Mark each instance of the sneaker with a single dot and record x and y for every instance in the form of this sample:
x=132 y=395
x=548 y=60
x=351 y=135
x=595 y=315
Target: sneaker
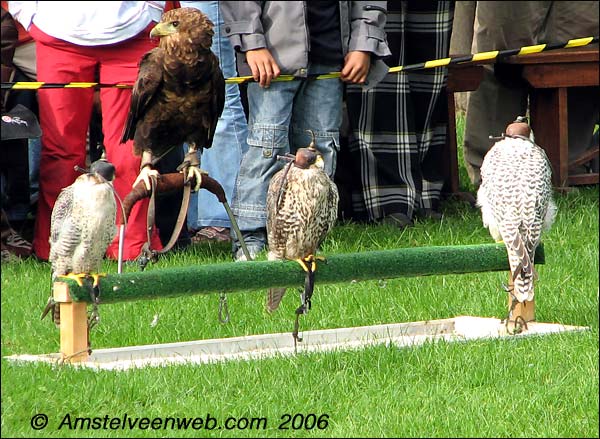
x=211 y=233
x=255 y=241
x=14 y=244
x=429 y=214
x=253 y=250
x=6 y=255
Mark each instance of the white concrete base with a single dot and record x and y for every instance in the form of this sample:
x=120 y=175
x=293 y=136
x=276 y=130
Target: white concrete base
x=269 y=345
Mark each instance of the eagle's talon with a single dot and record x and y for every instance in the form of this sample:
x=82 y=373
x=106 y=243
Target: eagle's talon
x=146 y=173
x=197 y=172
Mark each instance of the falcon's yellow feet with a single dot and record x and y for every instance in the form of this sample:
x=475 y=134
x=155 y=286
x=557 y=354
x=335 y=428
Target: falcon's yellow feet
x=76 y=277
x=309 y=265
x=96 y=277
x=310 y=259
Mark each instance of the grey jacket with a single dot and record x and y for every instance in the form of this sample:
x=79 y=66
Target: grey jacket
x=281 y=27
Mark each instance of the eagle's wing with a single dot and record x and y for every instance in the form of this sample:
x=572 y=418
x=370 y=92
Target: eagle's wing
x=218 y=102
x=150 y=79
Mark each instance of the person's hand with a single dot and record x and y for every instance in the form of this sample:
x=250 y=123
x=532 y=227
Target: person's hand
x=263 y=66
x=356 y=67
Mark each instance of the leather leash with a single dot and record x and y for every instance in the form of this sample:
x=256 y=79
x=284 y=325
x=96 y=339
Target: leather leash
x=147 y=253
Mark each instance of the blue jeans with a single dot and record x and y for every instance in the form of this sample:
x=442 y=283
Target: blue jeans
x=279 y=117
x=222 y=160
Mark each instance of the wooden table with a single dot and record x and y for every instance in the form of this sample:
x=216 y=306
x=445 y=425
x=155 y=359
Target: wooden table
x=550 y=74
x=465 y=77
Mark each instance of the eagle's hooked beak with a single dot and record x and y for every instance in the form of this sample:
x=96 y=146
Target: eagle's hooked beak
x=162 y=30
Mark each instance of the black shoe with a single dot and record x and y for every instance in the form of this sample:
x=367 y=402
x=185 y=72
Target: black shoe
x=429 y=213
x=399 y=220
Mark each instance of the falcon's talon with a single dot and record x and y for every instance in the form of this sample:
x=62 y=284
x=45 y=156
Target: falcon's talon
x=96 y=277
x=312 y=259
x=77 y=277
x=302 y=263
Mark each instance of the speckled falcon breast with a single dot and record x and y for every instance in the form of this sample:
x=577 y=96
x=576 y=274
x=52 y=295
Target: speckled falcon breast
x=83 y=225
x=302 y=207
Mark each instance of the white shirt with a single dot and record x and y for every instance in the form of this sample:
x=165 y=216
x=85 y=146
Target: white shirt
x=88 y=23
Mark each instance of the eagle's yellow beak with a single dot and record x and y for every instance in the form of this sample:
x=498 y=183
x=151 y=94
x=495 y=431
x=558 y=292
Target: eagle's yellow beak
x=162 y=30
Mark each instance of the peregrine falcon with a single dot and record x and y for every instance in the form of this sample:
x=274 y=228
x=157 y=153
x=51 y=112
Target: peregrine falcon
x=83 y=224
x=302 y=206
x=179 y=93
x=516 y=201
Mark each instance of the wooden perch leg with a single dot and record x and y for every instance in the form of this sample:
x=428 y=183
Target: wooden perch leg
x=73 y=325
x=522 y=313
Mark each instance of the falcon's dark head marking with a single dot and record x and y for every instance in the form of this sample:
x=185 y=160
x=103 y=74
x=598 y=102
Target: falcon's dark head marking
x=103 y=168
x=184 y=28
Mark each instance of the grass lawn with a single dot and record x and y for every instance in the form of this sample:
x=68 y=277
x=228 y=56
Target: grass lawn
x=543 y=386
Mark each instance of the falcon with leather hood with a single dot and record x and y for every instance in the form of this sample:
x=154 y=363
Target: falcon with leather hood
x=302 y=207
x=516 y=201
x=83 y=225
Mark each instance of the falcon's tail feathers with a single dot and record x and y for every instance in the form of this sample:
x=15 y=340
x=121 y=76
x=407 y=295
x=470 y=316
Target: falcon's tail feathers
x=274 y=297
x=522 y=271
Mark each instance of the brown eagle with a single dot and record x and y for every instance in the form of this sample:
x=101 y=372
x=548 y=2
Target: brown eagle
x=179 y=93
x=302 y=206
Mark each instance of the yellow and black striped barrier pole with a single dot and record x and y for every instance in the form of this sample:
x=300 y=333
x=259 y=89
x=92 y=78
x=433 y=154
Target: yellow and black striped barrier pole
x=490 y=56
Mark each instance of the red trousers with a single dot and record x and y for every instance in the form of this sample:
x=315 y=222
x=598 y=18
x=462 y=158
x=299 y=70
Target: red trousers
x=65 y=118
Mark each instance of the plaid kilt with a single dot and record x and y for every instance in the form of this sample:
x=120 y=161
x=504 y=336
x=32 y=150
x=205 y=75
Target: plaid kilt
x=398 y=128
